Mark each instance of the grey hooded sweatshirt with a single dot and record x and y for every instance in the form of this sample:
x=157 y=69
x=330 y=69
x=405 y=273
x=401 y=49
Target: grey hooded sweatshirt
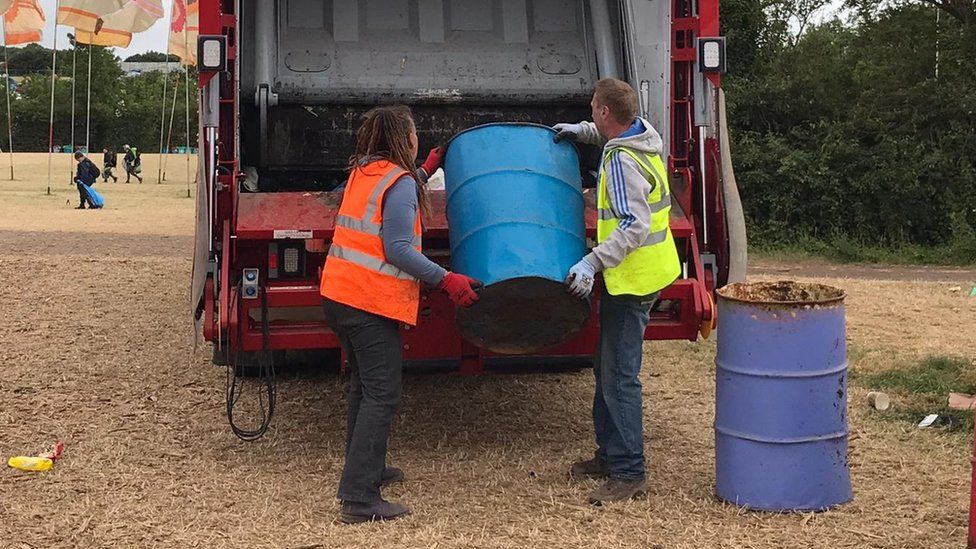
x=627 y=188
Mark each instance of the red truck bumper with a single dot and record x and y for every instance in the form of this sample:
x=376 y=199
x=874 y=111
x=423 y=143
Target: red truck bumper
x=294 y=307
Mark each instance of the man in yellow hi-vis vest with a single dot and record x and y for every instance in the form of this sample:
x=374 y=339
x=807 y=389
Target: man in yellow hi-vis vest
x=636 y=253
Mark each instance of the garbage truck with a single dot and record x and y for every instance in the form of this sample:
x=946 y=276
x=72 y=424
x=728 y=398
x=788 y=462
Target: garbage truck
x=282 y=87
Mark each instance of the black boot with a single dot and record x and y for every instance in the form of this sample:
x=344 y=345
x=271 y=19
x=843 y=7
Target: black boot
x=354 y=513
x=391 y=475
x=617 y=489
x=590 y=468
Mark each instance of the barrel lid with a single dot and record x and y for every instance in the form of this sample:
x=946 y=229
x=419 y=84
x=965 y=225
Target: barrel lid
x=782 y=292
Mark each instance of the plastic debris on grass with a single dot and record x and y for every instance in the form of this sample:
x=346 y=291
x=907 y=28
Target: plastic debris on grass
x=43 y=462
x=879 y=401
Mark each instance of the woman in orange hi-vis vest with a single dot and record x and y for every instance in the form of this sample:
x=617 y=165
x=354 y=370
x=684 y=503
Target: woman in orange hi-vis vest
x=370 y=285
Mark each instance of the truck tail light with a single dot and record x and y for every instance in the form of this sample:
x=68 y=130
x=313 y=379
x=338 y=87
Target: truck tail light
x=286 y=259
x=291 y=259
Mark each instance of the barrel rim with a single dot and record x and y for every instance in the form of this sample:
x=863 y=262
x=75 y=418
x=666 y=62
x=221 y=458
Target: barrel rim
x=723 y=293
x=526 y=124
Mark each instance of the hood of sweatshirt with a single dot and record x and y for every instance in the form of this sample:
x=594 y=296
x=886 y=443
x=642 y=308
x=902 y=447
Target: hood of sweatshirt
x=648 y=142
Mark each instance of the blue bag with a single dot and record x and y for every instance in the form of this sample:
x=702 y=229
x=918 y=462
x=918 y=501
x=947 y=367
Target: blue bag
x=96 y=199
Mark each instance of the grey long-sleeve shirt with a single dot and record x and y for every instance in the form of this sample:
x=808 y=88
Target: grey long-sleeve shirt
x=399 y=212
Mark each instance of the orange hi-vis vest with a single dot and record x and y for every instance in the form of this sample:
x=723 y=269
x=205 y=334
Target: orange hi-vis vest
x=356 y=272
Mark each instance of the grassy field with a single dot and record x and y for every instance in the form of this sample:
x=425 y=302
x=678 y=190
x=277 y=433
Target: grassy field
x=98 y=352
x=149 y=208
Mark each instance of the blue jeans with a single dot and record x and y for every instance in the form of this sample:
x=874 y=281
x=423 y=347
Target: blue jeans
x=617 y=404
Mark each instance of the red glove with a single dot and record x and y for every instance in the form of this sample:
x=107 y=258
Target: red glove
x=435 y=159
x=460 y=288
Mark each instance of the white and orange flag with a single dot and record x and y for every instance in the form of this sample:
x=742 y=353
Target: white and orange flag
x=83 y=14
x=23 y=22
x=108 y=22
x=135 y=16
x=184 y=30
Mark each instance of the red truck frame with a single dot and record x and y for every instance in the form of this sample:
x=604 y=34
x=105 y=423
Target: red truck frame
x=244 y=227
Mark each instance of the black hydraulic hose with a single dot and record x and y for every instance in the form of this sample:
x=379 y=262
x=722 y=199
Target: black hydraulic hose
x=235 y=383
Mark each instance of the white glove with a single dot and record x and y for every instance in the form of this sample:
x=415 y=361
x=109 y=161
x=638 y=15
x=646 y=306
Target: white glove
x=567 y=131
x=580 y=279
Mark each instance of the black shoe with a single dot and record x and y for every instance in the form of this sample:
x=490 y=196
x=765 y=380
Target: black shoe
x=617 y=489
x=354 y=513
x=590 y=468
x=391 y=475
x=82 y=207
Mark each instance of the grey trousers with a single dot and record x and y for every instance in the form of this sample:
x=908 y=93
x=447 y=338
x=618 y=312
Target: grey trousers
x=374 y=349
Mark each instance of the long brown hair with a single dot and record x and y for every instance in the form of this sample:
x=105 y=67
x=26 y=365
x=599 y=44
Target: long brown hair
x=385 y=134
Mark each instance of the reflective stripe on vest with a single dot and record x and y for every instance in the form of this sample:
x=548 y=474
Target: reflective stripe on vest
x=655 y=264
x=356 y=272
x=367 y=227
x=606 y=214
x=368 y=261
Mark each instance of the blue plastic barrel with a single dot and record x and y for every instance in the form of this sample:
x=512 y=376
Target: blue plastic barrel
x=781 y=397
x=515 y=216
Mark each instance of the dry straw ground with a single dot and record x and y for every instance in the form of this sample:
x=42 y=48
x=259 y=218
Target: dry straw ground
x=96 y=352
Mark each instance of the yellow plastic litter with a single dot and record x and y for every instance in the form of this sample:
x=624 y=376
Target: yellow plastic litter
x=25 y=463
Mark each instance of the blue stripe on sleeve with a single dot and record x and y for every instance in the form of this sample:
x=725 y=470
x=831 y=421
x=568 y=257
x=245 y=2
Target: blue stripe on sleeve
x=619 y=193
x=626 y=218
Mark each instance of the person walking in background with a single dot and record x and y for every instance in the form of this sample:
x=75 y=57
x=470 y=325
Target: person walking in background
x=85 y=177
x=109 y=159
x=133 y=164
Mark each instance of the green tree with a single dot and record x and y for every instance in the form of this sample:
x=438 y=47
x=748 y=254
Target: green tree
x=850 y=130
x=31 y=59
x=123 y=109
x=140 y=105
x=153 y=57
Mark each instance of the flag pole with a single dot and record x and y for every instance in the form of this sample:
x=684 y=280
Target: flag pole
x=186 y=74
x=88 y=123
x=50 y=125
x=172 y=117
x=74 y=57
x=162 y=121
x=6 y=86
x=162 y=114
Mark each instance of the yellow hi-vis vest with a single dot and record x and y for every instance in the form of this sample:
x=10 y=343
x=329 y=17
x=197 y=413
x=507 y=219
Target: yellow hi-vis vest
x=655 y=265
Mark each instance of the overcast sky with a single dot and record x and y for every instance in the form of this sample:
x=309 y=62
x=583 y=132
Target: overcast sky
x=829 y=11
x=153 y=39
